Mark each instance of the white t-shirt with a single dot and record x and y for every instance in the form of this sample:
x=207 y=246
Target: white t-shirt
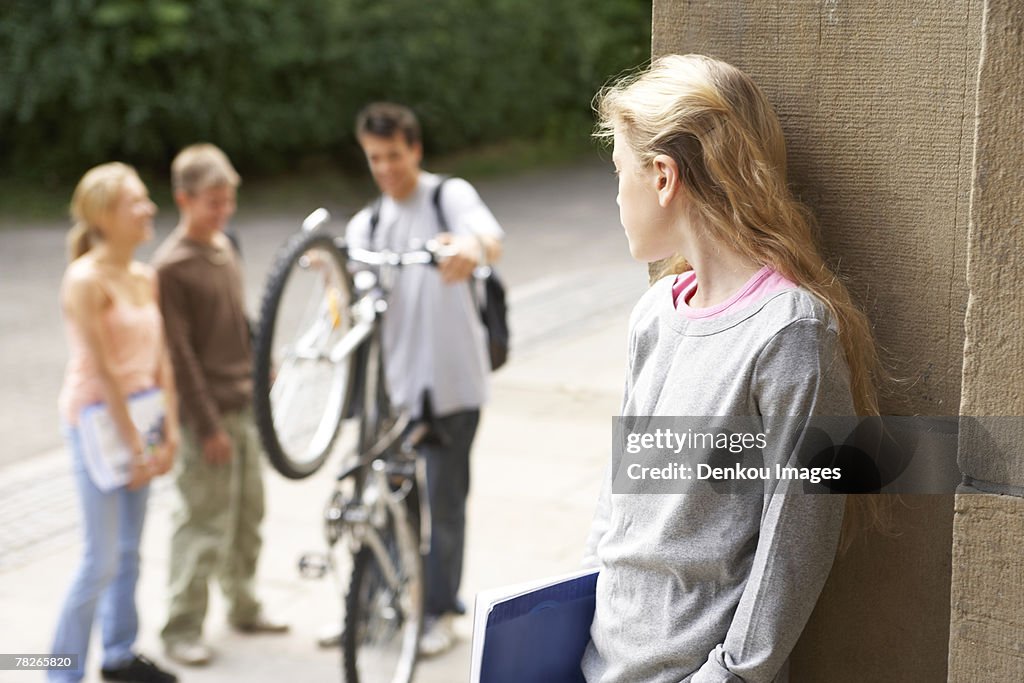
x=433 y=338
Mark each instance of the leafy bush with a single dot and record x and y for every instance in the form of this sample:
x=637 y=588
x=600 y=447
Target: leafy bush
x=84 y=81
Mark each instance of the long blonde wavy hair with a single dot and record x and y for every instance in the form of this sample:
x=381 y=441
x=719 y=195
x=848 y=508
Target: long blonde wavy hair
x=725 y=137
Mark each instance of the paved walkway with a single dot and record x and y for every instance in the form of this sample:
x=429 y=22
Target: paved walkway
x=539 y=457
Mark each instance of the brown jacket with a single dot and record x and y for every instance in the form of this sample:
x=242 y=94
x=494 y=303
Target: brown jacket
x=204 y=314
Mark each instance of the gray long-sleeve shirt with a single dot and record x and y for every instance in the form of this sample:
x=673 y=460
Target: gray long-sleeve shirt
x=705 y=587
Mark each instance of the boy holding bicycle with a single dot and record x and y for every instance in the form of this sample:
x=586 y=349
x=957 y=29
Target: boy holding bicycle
x=435 y=345
x=216 y=530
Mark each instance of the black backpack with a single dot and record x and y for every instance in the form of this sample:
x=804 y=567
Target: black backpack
x=493 y=309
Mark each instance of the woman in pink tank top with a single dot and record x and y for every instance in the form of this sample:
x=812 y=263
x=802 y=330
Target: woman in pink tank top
x=115 y=334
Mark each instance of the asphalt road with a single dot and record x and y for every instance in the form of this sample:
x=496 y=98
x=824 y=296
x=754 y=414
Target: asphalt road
x=565 y=259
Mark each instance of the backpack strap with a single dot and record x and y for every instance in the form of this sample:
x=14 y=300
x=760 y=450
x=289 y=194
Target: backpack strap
x=442 y=222
x=374 y=217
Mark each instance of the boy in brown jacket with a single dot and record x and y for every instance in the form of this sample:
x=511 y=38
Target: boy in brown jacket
x=216 y=530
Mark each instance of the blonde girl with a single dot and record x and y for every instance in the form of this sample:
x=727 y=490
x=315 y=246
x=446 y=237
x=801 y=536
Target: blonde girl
x=115 y=334
x=749 y=320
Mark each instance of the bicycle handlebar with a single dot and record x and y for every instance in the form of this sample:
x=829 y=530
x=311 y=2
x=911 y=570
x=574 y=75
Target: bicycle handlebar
x=431 y=253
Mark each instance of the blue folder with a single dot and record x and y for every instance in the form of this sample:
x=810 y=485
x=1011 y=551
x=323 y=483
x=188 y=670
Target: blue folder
x=539 y=636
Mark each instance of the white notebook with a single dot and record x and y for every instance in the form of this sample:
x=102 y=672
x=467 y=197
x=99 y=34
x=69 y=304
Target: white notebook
x=107 y=458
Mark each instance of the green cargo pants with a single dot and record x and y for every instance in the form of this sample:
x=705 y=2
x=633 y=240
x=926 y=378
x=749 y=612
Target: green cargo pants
x=216 y=530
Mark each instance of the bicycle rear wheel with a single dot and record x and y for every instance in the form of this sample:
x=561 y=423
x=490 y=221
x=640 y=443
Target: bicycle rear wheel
x=384 y=608
x=302 y=387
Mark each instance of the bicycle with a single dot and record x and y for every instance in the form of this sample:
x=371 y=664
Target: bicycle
x=328 y=369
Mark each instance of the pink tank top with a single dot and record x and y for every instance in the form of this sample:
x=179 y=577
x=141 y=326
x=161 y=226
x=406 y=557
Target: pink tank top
x=136 y=338
x=764 y=282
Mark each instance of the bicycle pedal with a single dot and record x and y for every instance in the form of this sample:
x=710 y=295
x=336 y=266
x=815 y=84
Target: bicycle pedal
x=313 y=566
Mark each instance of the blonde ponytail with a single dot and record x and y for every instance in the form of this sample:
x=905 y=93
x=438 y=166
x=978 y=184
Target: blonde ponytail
x=79 y=241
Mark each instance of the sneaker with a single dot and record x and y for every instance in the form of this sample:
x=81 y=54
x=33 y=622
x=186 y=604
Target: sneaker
x=330 y=636
x=190 y=652
x=438 y=636
x=261 y=623
x=139 y=670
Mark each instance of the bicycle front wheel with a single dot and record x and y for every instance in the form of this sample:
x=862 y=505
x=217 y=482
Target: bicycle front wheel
x=302 y=385
x=384 y=608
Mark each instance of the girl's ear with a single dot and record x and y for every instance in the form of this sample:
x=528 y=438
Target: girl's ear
x=667 y=181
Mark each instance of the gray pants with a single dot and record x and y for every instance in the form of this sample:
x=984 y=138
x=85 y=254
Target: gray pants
x=216 y=530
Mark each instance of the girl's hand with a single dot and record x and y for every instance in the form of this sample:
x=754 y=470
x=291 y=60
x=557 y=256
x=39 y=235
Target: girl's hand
x=140 y=474
x=163 y=455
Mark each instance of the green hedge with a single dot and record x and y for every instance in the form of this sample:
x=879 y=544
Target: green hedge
x=275 y=82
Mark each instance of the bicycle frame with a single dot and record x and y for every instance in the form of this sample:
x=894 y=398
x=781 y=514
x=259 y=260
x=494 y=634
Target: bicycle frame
x=362 y=519
x=405 y=470
x=385 y=491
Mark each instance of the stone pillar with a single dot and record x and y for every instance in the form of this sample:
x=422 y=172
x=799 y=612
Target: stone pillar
x=987 y=616
x=877 y=100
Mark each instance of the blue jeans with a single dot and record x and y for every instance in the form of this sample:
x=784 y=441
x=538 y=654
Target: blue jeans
x=448 y=486
x=108 y=572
